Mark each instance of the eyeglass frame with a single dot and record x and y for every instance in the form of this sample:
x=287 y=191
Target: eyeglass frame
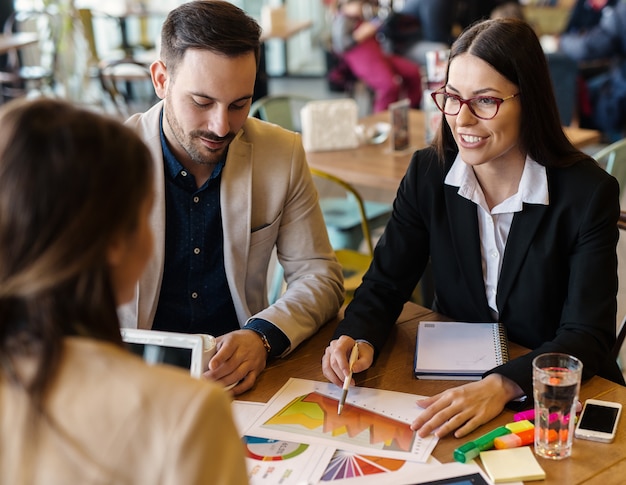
x=468 y=102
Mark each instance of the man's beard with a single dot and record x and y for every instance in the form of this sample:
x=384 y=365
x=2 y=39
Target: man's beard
x=190 y=143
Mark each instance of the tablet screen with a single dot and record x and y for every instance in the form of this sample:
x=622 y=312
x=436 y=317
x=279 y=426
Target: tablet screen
x=158 y=354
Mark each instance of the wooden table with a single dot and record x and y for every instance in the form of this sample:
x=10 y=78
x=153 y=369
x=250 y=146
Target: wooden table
x=591 y=463
x=286 y=30
x=16 y=41
x=378 y=166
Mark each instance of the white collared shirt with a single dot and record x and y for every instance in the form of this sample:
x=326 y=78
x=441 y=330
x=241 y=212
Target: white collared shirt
x=494 y=225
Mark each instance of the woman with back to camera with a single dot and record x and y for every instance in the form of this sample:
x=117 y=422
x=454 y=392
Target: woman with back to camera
x=519 y=225
x=76 y=407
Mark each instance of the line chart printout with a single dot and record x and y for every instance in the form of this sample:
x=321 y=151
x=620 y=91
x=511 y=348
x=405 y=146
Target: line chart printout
x=373 y=421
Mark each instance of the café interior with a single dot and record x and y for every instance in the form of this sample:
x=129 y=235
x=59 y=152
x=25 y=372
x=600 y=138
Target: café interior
x=100 y=59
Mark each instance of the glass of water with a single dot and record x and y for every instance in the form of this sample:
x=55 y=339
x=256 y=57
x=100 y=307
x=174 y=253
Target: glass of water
x=556 y=382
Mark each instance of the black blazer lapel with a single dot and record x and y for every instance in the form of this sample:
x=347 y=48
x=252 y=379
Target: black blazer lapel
x=523 y=229
x=466 y=242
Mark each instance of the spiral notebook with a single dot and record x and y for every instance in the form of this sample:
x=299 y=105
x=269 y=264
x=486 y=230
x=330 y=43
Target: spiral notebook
x=459 y=350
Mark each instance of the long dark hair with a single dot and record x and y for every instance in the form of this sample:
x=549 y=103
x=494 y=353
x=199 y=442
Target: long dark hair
x=70 y=180
x=214 y=25
x=512 y=48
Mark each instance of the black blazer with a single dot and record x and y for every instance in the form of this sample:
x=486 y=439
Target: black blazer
x=558 y=282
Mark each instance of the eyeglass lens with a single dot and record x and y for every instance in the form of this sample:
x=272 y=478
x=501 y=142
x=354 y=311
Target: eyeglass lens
x=484 y=107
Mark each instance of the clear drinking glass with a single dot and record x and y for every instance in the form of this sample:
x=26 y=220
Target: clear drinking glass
x=556 y=382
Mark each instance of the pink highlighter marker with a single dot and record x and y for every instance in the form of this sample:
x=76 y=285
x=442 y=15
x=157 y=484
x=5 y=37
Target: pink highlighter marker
x=530 y=413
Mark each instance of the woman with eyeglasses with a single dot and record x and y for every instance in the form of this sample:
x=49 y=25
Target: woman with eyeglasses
x=520 y=228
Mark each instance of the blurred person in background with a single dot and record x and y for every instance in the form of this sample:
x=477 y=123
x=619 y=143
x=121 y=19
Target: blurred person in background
x=354 y=30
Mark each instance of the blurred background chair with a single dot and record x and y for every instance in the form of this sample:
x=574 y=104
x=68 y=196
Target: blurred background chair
x=613 y=159
x=107 y=38
x=31 y=69
x=354 y=263
x=280 y=109
x=344 y=211
x=128 y=85
x=94 y=21
x=619 y=353
x=341 y=217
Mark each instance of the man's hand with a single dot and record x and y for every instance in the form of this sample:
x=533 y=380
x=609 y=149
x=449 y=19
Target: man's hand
x=240 y=358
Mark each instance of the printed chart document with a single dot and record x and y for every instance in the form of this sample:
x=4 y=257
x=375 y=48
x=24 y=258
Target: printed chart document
x=273 y=462
x=373 y=421
x=295 y=461
x=459 y=350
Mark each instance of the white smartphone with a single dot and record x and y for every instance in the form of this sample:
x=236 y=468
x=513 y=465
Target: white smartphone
x=598 y=420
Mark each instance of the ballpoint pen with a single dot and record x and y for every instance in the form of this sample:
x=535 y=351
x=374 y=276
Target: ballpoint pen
x=354 y=355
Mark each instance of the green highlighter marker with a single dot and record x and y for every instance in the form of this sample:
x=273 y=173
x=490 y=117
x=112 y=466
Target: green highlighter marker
x=472 y=449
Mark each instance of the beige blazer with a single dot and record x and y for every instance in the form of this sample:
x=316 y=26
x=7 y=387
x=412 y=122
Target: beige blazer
x=268 y=200
x=112 y=420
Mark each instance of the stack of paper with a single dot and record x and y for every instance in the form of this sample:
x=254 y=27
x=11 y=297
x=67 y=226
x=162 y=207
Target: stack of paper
x=298 y=437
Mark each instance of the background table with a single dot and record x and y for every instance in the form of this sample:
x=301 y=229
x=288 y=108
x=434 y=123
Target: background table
x=379 y=167
x=16 y=41
x=591 y=462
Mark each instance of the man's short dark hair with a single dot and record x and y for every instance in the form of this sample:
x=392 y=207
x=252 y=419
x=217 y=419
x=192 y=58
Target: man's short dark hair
x=214 y=25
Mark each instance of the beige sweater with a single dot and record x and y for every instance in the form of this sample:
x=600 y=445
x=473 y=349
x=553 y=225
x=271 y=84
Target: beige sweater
x=115 y=420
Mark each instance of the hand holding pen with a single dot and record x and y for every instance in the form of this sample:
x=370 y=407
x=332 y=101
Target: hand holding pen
x=354 y=355
x=335 y=364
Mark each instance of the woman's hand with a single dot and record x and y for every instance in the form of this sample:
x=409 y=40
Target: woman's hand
x=335 y=360
x=466 y=407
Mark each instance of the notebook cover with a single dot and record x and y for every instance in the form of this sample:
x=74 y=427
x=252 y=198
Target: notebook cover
x=458 y=350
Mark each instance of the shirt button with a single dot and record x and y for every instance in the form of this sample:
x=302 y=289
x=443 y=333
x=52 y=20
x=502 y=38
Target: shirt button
x=194 y=295
x=183 y=173
x=196 y=199
x=493 y=291
x=494 y=254
x=196 y=251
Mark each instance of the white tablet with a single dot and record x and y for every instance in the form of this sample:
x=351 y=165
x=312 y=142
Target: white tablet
x=190 y=351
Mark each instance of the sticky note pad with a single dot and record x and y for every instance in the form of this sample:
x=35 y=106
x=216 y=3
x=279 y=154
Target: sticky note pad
x=512 y=465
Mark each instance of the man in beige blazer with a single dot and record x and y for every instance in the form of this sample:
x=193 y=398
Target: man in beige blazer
x=229 y=189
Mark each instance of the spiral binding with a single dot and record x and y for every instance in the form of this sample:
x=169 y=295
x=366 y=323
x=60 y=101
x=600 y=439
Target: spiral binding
x=500 y=343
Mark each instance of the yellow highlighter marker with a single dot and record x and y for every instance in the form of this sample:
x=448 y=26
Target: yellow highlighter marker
x=354 y=355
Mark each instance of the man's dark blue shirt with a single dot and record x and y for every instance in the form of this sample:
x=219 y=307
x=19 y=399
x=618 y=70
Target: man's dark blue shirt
x=194 y=297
